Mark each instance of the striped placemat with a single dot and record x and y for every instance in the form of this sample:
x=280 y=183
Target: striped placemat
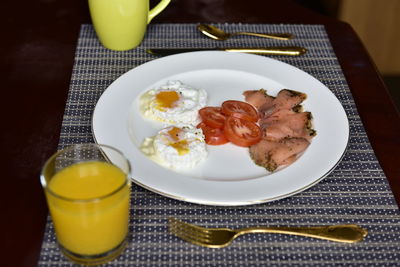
x=355 y=192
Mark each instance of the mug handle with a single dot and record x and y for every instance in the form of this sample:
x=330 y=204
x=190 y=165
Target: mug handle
x=157 y=9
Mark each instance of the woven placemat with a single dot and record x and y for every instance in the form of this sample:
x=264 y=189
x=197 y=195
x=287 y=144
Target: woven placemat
x=355 y=192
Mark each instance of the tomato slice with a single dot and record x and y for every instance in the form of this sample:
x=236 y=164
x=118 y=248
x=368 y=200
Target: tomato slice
x=240 y=110
x=213 y=136
x=242 y=132
x=212 y=116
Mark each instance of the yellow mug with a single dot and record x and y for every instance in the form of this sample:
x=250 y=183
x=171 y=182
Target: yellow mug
x=121 y=24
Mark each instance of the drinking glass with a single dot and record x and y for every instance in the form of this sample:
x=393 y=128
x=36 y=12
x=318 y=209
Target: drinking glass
x=87 y=188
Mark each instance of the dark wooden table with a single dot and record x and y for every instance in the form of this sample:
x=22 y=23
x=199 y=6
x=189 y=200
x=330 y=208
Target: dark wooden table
x=36 y=65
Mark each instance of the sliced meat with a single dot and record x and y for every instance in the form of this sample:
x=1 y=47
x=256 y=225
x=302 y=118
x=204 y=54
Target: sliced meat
x=287 y=131
x=291 y=125
x=260 y=154
x=289 y=160
x=258 y=98
x=271 y=154
x=285 y=100
x=267 y=109
x=279 y=131
x=287 y=148
x=288 y=99
x=275 y=117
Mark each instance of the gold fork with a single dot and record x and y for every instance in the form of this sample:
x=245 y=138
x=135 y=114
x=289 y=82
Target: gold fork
x=222 y=237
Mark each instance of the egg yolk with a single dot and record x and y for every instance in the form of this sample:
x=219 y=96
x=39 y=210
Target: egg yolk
x=166 y=99
x=174 y=133
x=181 y=146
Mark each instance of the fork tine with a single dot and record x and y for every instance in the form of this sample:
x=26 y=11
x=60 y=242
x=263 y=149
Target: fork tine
x=191 y=233
x=176 y=225
x=186 y=227
x=195 y=239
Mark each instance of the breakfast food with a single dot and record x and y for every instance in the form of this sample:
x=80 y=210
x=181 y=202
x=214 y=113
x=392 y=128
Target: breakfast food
x=235 y=122
x=287 y=130
x=273 y=128
x=173 y=103
x=176 y=147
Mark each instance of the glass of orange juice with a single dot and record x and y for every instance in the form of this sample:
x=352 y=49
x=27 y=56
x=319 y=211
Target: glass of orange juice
x=87 y=187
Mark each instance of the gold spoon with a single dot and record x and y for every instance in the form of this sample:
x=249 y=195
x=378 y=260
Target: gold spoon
x=218 y=34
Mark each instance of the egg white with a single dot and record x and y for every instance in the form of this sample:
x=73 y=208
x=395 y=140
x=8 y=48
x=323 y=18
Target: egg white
x=160 y=148
x=185 y=110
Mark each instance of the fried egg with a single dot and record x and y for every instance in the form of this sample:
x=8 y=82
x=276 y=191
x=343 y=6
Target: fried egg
x=178 y=148
x=173 y=103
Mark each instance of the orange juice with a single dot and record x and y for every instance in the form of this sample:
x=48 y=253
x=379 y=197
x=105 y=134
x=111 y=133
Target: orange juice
x=89 y=205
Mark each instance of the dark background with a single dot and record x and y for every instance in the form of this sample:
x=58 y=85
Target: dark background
x=330 y=8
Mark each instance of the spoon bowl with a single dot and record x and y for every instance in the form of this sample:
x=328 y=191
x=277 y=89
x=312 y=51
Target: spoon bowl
x=218 y=34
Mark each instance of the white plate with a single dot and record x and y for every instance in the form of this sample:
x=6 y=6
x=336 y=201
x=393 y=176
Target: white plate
x=228 y=177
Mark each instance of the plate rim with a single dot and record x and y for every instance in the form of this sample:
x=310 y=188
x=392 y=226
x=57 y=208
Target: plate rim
x=232 y=203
